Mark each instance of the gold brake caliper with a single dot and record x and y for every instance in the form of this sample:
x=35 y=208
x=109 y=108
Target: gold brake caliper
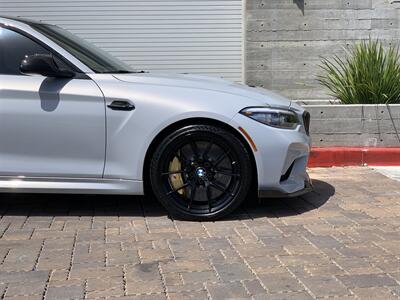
x=176 y=179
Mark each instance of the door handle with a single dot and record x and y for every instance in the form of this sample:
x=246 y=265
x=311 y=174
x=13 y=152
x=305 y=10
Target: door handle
x=121 y=105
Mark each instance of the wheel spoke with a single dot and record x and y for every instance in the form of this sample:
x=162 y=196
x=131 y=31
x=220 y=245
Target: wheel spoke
x=207 y=150
x=221 y=158
x=220 y=188
x=192 y=194
x=173 y=172
x=208 y=193
x=182 y=158
x=195 y=149
x=227 y=173
x=178 y=189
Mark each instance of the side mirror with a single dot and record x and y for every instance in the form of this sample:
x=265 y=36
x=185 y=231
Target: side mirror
x=44 y=65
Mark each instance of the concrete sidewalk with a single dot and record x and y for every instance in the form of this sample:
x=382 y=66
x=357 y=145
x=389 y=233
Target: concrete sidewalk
x=391 y=172
x=342 y=241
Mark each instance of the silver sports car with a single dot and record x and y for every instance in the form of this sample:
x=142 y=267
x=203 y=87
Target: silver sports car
x=73 y=119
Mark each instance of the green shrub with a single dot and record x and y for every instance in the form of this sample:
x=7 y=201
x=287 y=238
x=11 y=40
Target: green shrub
x=369 y=74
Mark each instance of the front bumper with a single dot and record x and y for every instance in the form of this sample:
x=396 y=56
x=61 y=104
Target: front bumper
x=308 y=187
x=281 y=158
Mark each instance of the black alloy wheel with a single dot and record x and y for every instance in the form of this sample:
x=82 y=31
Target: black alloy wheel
x=201 y=172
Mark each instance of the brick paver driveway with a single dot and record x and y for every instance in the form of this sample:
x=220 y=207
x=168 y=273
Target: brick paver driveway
x=342 y=241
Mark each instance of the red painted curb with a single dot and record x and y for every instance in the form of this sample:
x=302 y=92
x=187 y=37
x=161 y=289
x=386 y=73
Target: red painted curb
x=353 y=156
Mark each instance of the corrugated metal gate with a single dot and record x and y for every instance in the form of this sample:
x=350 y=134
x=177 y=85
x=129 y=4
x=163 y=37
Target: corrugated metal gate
x=184 y=36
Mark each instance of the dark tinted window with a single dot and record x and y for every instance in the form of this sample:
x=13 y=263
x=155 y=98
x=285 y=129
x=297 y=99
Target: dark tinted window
x=95 y=58
x=13 y=48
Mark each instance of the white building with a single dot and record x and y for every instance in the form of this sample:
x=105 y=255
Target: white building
x=184 y=36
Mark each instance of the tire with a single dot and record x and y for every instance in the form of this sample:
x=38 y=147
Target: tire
x=200 y=172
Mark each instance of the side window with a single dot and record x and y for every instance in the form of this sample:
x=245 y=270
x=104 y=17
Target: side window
x=13 y=48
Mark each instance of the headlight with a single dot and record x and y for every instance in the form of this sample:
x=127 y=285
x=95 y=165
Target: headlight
x=275 y=117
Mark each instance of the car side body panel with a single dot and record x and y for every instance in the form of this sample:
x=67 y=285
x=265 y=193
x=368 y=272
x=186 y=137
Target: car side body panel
x=51 y=127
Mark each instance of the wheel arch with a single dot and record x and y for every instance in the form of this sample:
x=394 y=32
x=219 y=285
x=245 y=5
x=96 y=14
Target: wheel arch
x=196 y=121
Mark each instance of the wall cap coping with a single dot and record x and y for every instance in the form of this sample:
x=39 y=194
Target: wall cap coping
x=351 y=105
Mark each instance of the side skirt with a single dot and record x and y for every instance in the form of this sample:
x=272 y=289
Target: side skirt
x=60 y=185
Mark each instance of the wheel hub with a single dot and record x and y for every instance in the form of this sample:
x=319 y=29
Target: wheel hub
x=201 y=172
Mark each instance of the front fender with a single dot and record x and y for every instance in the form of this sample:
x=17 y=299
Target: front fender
x=130 y=133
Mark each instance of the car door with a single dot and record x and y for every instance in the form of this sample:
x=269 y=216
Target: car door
x=49 y=127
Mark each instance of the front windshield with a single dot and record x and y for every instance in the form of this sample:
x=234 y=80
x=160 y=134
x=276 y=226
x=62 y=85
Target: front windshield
x=96 y=59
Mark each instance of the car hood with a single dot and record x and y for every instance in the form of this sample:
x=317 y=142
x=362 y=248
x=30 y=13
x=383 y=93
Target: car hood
x=265 y=97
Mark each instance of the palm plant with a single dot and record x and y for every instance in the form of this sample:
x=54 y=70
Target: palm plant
x=369 y=74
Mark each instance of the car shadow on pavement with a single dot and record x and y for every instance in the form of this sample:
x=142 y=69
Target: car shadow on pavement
x=286 y=207
x=138 y=206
